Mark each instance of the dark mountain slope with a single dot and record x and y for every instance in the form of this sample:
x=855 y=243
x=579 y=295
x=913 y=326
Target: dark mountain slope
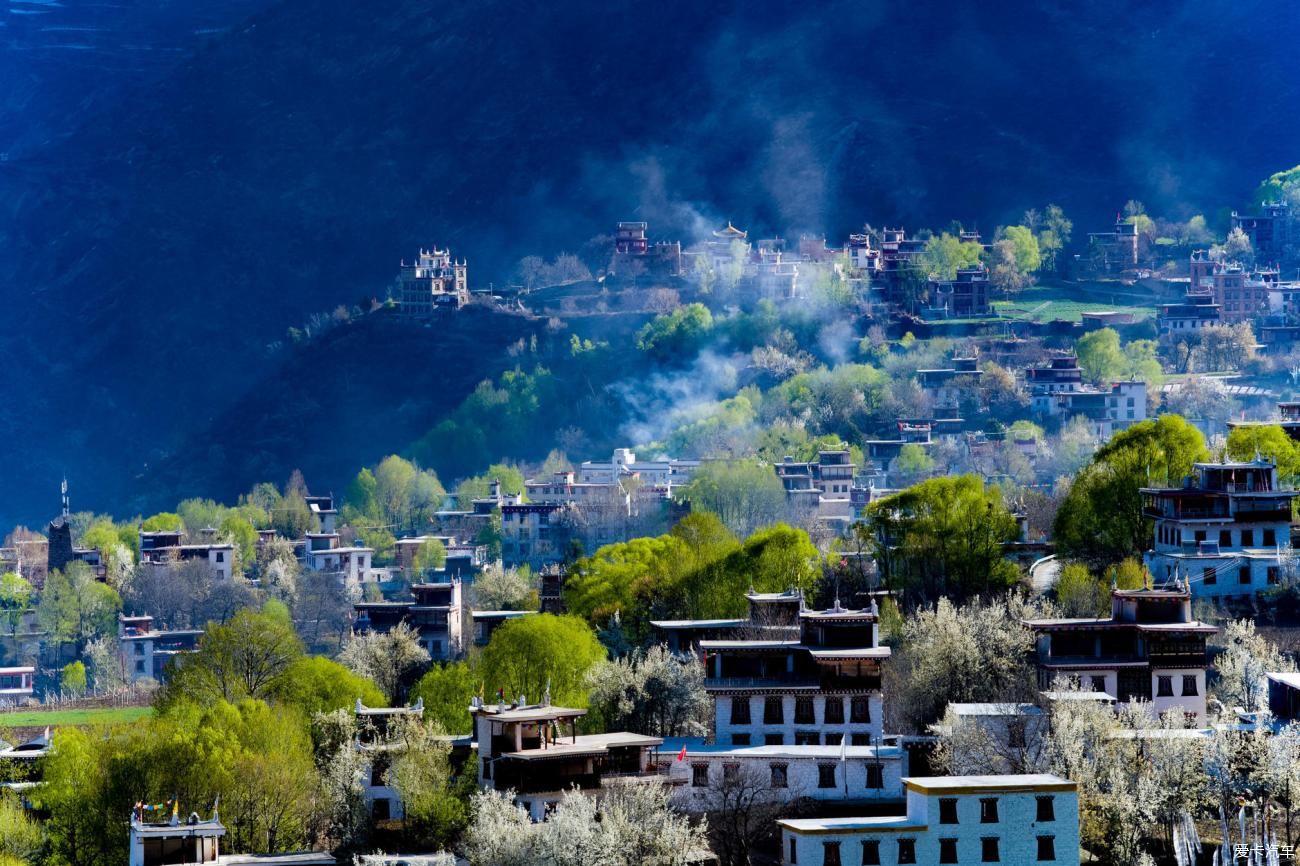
x=285 y=166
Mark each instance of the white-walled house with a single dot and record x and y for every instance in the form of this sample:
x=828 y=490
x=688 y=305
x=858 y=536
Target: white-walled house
x=950 y=819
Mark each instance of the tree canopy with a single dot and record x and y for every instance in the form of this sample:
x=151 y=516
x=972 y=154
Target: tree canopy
x=528 y=654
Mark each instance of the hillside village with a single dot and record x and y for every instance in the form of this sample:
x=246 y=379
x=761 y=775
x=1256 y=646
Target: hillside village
x=979 y=550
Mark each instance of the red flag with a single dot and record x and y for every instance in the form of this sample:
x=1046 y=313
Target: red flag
x=681 y=756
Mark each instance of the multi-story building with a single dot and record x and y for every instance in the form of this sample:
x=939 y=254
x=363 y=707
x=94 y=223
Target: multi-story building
x=635 y=254
x=536 y=533
x=945 y=386
x=657 y=476
x=823 y=487
x=434 y=280
x=172 y=839
x=378 y=744
x=323 y=552
x=164 y=547
x=1271 y=231
x=17 y=683
x=1149 y=648
x=1227 y=529
x=1121 y=405
x=147 y=653
x=535 y=751
x=1117 y=250
x=1240 y=295
x=436 y=615
x=1197 y=310
x=964 y=296
x=1061 y=374
x=950 y=819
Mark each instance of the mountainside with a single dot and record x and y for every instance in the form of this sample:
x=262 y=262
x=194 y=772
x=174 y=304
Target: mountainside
x=149 y=253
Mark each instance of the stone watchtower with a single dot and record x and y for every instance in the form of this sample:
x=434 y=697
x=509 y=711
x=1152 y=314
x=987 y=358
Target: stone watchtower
x=60 y=533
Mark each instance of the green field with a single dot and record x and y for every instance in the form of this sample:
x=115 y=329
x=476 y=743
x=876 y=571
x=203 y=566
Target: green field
x=1043 y=304
x=56 y=717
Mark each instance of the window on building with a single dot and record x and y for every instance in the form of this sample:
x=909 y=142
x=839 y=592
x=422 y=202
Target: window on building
x=1046 y=848
x=1273 y=575
x=834 y=739
x=1099 y=683
x=740 y=711
x=947 y=811
x=1225 y=538
x=1270 y=537
x=830 y=854
x=947 y=850
x=1243 y=574
x=860 y=710
x=875 y=776
x=1046 y=809
x=834 y=711
x=825 y=775
x=1248 y=538
x=859 y=739
x=774 y=739
x=221 y=557
x=871 y=852
x=989 y=850
x=1164 y=687
x=778 y=775
x=740 y=739
x=773 y=712
x=906 y=851
x=699 y=775
x=1208 y=576
x=1016 y=733
x=1198 y=536
x=807 y=738
x=989 y=810
x=139 y=649
x=139 y=666
x=1189 y=684
x=730 y=773
x=803 y=711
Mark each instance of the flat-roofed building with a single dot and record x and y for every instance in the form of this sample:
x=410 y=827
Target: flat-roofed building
x=1016 y=819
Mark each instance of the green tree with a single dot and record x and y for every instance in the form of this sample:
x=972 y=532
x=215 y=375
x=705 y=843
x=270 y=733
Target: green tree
x=73 y=678
x=943 y=536
x=421 y=773
x=361 y=499
x=628 y=578
x=1100 y=521
x=913 y=460
x=1025 y=248
x=944 y=254
x=431 y=556
x=164 y=521
x=315 y=684
x=745 y=494
x=1100 y=355
x=526 y=655
x=677 y=335
x=480 y=486
x=15 y=598
x=1079 y=593
x=1269 y=441
x=239 y=531
x=75 y=608
x=447 y=690
x=248 y=657
x=292 y=517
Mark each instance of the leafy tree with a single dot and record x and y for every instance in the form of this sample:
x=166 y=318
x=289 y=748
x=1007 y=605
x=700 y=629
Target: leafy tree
x=362 y=497
x=105 y=665
x=15 y=597
x=390 y=659
x=1079 y=593
x=944 y=254
x=912 y=460
x=447 y=690
x=652 y=692
x=75 y=608
x=249 y=657
x=21 y=838
x=430 y=557
x=1100 y=355
x=316 y=684
x=1269 y=441
x=292 y=517
x=237 y=529
x=1100 y=522
x=677 y=335
x=528 y=654
x=627 y=577
x=199 y=514
x=165 y=521
x=943 y=536
x=498 y=588
x=744 y=494
x=480 y=486
x=1247 y=656
x=977 y=652
x=73 y=678
x=421 y=773
x=1024 y=248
